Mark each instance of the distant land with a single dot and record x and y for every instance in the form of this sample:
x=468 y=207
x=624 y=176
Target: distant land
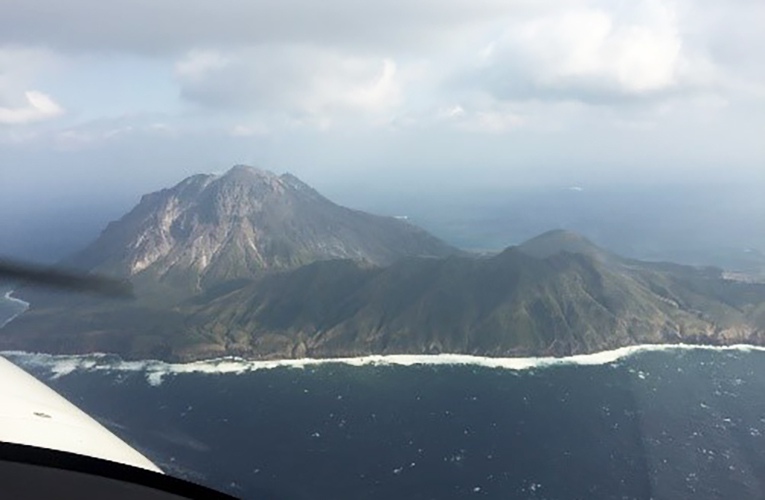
x=211 y=229
x=262 y=266
x=689 y=223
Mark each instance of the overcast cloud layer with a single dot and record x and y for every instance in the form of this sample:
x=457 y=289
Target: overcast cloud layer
x=130 y=95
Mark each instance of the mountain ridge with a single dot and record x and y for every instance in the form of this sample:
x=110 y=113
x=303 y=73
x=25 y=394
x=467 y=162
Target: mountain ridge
x=511 y=304
x=556 y=241
x=295 y=275
x=209 y=229
x=508 y=305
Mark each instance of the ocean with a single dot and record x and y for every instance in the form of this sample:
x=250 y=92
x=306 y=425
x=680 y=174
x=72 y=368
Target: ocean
x=644 y=423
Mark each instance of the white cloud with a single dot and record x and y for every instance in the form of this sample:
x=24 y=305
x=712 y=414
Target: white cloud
x=497 y=119
x=38 y=107
x=296 y=81
x=590 y=46
x=301 y=63
x=595 y=52
x=375 y=94
x=474 y=81
x=197 y=64
x=20 y=72
x=450 y=112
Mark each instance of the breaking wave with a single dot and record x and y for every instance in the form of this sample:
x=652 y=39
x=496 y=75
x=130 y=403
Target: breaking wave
x=18 y=304
x=156 y=371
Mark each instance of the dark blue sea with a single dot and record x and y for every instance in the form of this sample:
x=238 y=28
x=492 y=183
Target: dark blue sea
x=655 y=424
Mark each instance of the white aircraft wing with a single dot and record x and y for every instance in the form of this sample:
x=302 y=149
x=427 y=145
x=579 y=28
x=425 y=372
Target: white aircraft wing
x=33 y=414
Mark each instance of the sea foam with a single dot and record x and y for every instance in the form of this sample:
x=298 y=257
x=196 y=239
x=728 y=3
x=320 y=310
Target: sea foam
x=156 y=371
x=23 y=306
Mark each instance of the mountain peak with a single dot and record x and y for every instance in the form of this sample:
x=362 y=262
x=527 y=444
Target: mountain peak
x=243 y=186
x=559 y=241
x=256 y=183
x=244 y=171
x=210 y=229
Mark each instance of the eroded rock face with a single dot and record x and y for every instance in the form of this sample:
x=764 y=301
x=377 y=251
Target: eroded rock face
x=210 y=229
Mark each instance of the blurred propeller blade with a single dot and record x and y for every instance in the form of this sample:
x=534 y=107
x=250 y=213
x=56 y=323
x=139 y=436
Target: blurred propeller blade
x=61 y=278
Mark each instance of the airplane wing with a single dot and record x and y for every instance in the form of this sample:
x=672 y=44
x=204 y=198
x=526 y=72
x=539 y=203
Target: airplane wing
x=51 y=449
x=33 y=414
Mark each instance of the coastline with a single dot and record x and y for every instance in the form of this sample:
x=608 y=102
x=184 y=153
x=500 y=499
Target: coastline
x=63 y=364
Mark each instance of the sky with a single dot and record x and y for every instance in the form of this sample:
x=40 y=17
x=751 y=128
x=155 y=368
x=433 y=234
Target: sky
x=101 y=101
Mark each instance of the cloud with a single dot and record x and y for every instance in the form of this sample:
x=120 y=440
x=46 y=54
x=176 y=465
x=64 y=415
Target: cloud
x=298 y=81
x=435 y=83
x=198 y=64
x=498 y=119
x=454 y=111
x=306 y=62
x=173 y=26
x=38 y=107
x=21 y=69
x=90 y=135
x=592 y=54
